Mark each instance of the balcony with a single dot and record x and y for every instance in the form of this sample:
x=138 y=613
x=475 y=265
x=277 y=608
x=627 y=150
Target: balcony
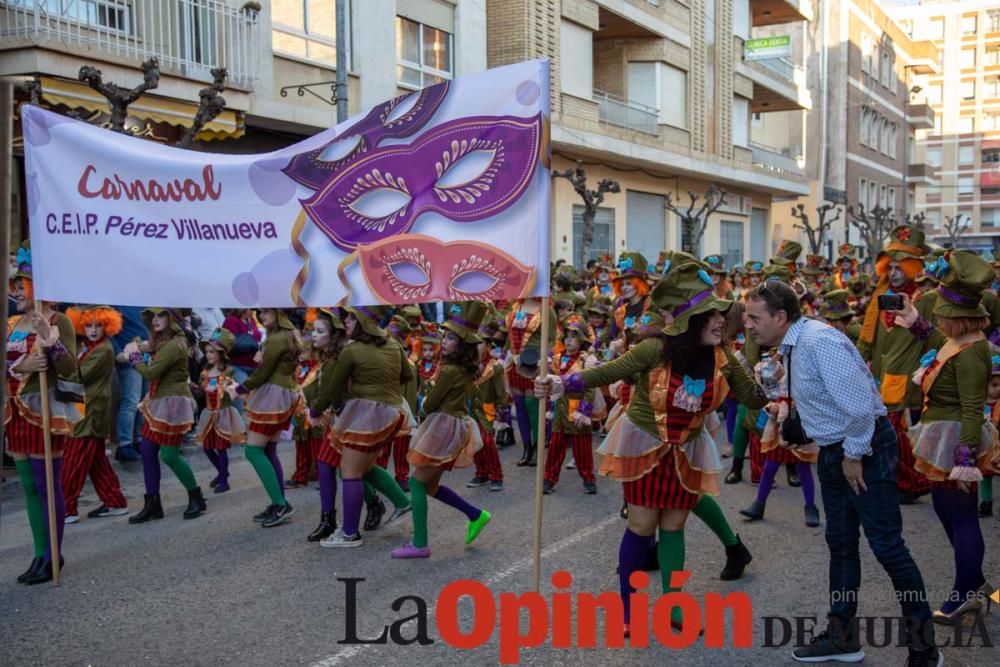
x=920 y=116
x=189 y=37
x=614 y=110
x=772 y=12
x=773 y=159
x=921 y=173
x=778 y=85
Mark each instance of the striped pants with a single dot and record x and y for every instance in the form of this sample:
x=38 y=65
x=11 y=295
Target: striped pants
x=305 y=460
x=82 y=457
x=909 y=479
x=487 y=459
x=399 y=448
x=756 y=458
x=582 y=451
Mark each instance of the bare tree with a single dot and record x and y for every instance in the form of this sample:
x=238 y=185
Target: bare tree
x=954 y=226
x=211 y=104
x=917 y=221
x=592 y=199
x=694 y=222
x=873 y=226
x=816 y=234
x=120 y=98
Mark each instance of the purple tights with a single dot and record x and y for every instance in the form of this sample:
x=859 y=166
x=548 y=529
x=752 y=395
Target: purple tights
x=150 y=465
x=805 y=474
x=219 y=459
x=38 y=472
x=632 y=555
x=452 y=499
x=354 y=498
x=959 y=514
x=272 y=455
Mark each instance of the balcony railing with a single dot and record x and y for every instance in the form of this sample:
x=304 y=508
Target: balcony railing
x=772 y=159
x=624 y=113
x=189 y=37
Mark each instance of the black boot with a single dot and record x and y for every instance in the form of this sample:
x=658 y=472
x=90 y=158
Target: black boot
x=737 y=559
x=735 y=475
x=755 y=512
x=151 y=509
x=373 y=517
x=44 y=573
x=527 y=456
x=36 y=564
x=196 y=504
x=793 y=475
x=986 y=509
x=327 y=524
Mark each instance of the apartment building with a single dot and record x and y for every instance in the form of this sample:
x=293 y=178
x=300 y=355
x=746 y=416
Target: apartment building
x=281 y=58
x=962 y=149
x=656 y=95
x=858 y=141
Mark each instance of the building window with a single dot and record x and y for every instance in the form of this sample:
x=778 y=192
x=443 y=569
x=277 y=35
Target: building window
x=604 y=235
x=741 y=121
x=935 y=28
x=673 y=103
x=968 y=59
x=966 y=154
x=994 y=20
x=866 y=51
x=934 y=157
x=731 y=245
x=306 y=29
x=990 y=121
x=872 y=194
x=423 y=54
x=992 y=55
x=992 y=87
x=576 y=60
x=883 y=199
x=886 y=66
x=965 y=185
x=741 y=19
x=968 y=90
x=969 y=25
x=893 y=136
x=891 y=198
x=966 y=124
x=865 y=126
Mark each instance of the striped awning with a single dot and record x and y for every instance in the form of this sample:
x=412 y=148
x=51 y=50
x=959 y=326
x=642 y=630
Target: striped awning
x=227 y=125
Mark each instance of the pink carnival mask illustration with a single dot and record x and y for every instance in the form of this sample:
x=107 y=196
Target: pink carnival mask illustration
x=381 y=193
x=412 y=268
x=399 y=117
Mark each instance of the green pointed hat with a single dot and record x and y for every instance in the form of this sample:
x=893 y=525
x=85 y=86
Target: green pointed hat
x=788 y=253
x=813 y=265
x=632 y=264
x=716 y=264
x=464 y=320
x=176 y=315
x=399 y=327
x=601 y=307
x=581 y=330
x=672 y=259
x=778 y=272
x=222 y=340
x=370 y=318
x=648 y=324
x=905 y=242
x=836 y=305
x=753 y=268
x=847 y=251
x=412 y=314
x=333 y=316
x=960 y=293
x=685 y=291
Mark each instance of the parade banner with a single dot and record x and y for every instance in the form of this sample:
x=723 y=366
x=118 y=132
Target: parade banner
x=441 y=194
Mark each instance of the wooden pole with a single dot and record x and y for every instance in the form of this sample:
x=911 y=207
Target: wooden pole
x=543 y=372
x=50 y=489
x=6 y=165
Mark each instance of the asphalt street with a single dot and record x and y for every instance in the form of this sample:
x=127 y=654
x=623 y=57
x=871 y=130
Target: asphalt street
x=220 y=590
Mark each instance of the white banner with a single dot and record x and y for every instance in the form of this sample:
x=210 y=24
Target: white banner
x=442 y=194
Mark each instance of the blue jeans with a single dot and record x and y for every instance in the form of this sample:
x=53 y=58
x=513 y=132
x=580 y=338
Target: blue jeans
x=877 y=511
x=131 y=387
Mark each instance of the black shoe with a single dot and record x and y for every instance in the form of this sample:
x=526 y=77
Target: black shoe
x=822 y=648
x=590 y=488
x=793 y=476
x=37 y=564
x=755 y=512
x=105 y=511
x=812 y=516
x=986 y=509
x=373 y=517
x=127 y=454
x=196 y=504
x=525 y=456
x=327 y=524
x=737 y=559
x=151 y=510
x=279 y=515
x=221 y=488
x=496 y=485
x=908 y=497
x=929 y=658
x=547 y=487
x=476 y=482
x=735 y=475
x=533 y=461
x=261 y=517
x=214 y=483
x=624 y=511
x=292 y=484
x=43 y=573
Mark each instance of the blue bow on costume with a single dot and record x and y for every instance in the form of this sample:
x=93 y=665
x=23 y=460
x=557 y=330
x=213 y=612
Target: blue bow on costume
x=625 y=264
x=629 y=321
x=705 y=278
x=23 y=256
x=931 y=356
x=666 y=267
x=694 y=387
x=456 y=310
x=645 y=319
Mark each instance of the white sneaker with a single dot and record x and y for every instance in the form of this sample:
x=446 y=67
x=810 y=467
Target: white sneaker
x=72 y=518
x=338 y=539
x=571 y=465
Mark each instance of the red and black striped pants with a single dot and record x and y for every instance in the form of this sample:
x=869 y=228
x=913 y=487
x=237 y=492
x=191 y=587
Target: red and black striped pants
x=82 y=457
x=909 y=480
x=487 y=459
x=756 y=458
x=305 y=460
x=582 y=451
x=660 y=488
x=399 y=448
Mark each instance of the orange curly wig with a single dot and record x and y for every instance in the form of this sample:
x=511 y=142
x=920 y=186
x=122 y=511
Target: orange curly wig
x=911 y=266
x=110 y=318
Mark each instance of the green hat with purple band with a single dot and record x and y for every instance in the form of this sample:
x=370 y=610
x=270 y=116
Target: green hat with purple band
x=684 y=291
x=836 y=305
x=465 y=319
x=370 y=318
x=960 y=293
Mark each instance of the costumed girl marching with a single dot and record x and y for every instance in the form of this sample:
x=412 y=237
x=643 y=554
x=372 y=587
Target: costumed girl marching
x=220 y=425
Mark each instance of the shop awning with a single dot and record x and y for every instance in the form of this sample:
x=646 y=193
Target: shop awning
x=227 y=125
